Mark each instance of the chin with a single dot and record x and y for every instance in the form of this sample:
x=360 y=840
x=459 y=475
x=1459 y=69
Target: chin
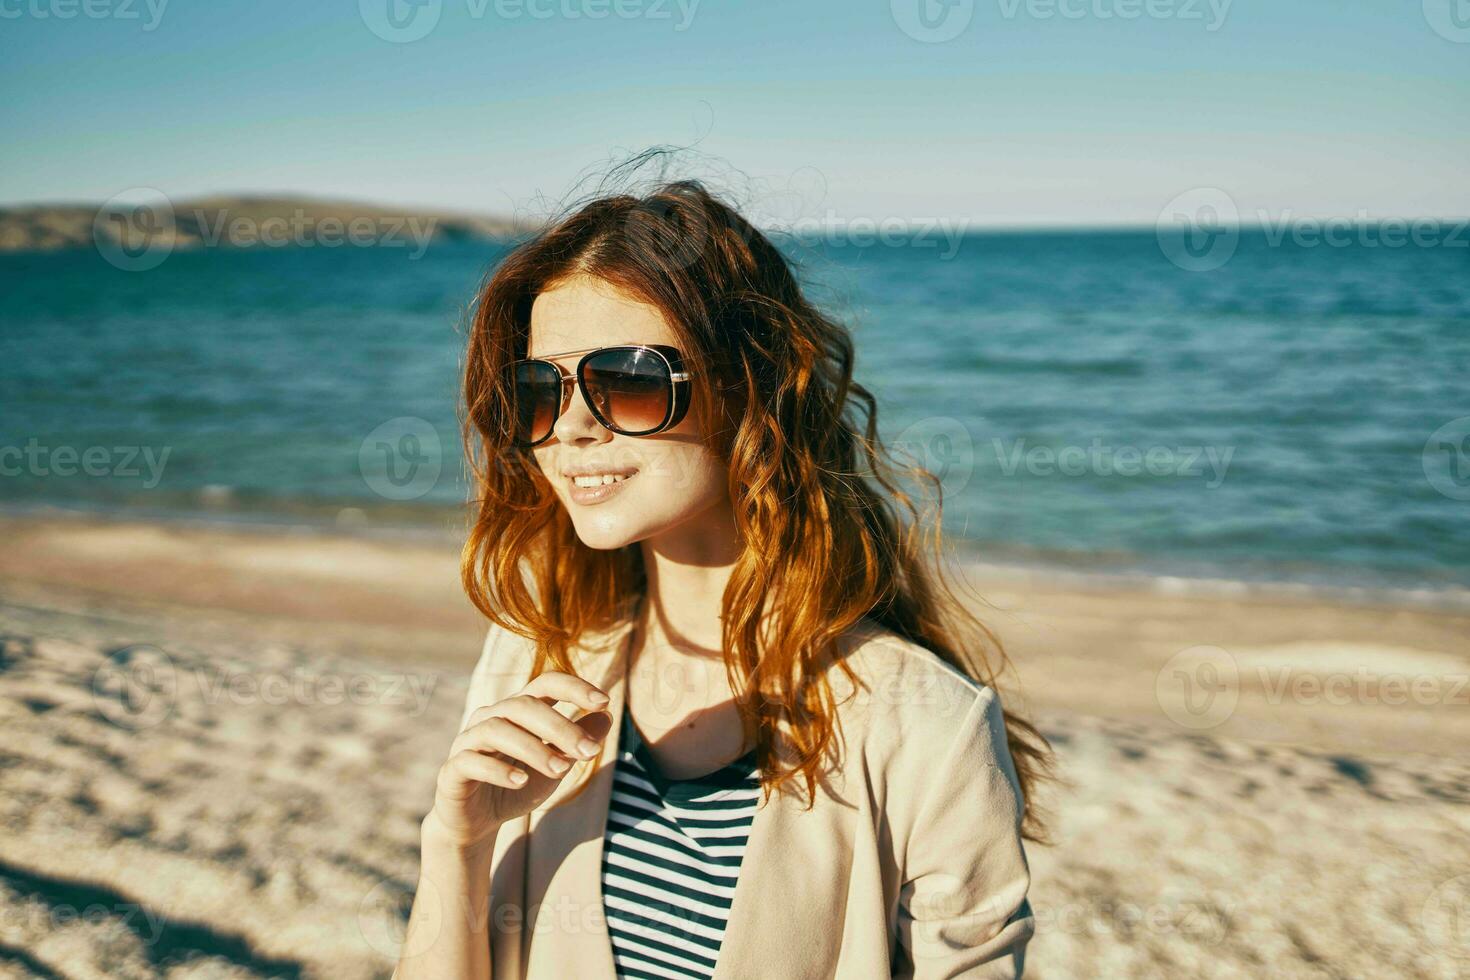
x=605 y=532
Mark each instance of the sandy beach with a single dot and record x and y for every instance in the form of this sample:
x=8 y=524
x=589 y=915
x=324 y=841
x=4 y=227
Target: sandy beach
x=221 y=740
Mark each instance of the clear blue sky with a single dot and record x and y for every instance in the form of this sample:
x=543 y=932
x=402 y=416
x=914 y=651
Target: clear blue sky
x=1316 y=107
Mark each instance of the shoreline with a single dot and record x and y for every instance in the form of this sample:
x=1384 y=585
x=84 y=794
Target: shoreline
x=440 y=526
x=1302 y=667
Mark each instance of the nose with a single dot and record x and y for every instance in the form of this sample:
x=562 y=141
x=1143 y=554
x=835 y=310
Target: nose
x=577 y=425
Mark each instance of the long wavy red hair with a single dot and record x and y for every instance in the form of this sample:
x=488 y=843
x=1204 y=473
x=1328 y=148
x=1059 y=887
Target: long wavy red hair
x=829 y=536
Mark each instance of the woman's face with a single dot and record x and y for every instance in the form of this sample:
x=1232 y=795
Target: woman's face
x=675 y=483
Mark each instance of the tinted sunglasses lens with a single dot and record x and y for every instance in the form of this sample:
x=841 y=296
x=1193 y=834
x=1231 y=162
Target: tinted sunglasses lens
x=631 y=388
x=535 y=394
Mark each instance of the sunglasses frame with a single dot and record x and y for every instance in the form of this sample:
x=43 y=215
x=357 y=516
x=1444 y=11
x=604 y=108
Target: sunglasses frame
x=678 y=386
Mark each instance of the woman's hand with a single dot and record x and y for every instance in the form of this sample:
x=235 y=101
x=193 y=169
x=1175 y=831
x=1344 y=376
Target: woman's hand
x=501 y=766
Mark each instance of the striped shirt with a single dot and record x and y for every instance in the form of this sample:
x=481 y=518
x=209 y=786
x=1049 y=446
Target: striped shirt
x=671 y=855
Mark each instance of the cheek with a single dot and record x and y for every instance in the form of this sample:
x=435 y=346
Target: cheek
x=686 y=473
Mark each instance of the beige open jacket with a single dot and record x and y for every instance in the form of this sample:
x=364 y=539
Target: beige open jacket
x=910 y=864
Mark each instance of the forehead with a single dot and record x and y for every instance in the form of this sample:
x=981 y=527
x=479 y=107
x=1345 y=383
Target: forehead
x=586 y=312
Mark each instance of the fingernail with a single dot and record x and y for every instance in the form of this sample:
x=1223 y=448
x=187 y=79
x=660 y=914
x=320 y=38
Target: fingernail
x=560 y=765
x=597 y=697
x=587 y=747
x=518 y=776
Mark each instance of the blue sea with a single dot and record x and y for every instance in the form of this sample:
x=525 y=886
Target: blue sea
x=1301 y=413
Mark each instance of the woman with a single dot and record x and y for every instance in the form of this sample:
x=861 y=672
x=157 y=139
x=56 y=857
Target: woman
x=722 y=724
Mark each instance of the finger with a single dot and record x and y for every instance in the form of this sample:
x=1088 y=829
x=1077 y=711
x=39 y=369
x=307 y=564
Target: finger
x=500 y=734
x=550 y=687
x=466 y=768
x=545 y=722
x=562 y=686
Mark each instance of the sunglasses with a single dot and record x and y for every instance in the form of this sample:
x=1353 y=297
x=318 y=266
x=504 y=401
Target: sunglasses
x=633 y=389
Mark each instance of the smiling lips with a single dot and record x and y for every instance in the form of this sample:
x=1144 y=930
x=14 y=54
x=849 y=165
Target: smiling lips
x=594 y=488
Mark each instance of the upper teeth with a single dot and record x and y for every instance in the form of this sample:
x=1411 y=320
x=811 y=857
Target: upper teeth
x=599 y=480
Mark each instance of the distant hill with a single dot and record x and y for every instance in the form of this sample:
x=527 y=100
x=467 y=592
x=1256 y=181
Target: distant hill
x=242 y=222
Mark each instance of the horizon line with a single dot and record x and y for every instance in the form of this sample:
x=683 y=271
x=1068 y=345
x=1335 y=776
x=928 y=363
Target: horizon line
x=887 y=222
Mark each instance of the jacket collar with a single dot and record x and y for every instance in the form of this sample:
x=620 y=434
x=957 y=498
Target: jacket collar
x=795 y=862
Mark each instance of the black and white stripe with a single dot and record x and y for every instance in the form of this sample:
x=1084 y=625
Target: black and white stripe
x=671 y=855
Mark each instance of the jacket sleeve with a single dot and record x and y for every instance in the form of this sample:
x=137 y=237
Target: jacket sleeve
x=962 y=902
x=501 y=671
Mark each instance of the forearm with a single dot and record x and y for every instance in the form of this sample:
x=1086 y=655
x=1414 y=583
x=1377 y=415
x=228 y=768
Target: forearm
x=448 y=929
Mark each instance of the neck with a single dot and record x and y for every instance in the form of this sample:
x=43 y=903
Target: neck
x=687 y=575
x=681 y=613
